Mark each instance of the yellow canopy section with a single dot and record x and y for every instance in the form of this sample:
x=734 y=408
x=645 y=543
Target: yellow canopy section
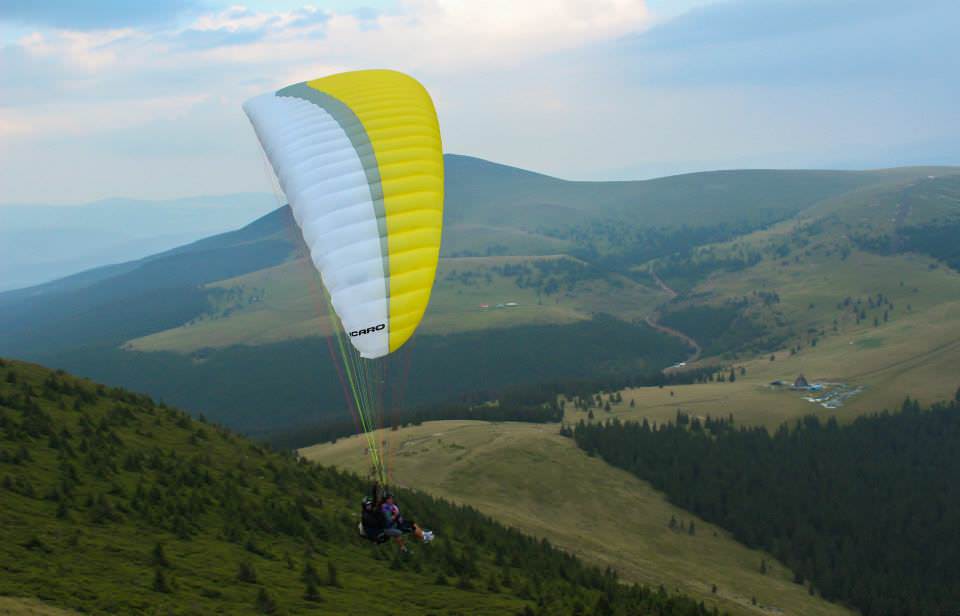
x=401 y=125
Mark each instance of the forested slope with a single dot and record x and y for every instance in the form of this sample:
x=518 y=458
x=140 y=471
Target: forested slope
x=866 y=513
x=114 y=503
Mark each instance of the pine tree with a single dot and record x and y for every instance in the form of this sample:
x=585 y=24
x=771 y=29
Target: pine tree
x=603 y=607
x=160 y=582
x=310 y=573
x=246 y=573
x=312 y=592
x=265 y=603
x=158 y=558
x=332 y=579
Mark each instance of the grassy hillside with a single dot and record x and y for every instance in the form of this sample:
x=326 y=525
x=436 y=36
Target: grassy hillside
x=114 y=503
x=796 y=280
x=17 y=606
x=531 y=478
x=285 y=302
x=832 y=295
x=912 y=354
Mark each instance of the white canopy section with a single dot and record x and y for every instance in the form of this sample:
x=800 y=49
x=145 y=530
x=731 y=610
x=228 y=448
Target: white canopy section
x=323 y=177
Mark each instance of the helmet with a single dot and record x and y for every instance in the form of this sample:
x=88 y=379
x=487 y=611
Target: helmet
x=367 y=501
x=387 y=495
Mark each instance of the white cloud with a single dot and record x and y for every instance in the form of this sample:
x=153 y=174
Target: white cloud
x=90 y=118
x=553 y=85
x=88 y=52
x=449 y=34
x=91 y=90
x=433 y=36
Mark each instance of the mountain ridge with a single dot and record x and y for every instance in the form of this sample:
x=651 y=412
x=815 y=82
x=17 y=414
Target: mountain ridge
x=250 y=293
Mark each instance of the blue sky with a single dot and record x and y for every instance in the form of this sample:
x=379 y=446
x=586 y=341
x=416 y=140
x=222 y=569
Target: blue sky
x=143 y=99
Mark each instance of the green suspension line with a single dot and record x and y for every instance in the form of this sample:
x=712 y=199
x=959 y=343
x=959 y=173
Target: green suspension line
x=363 y=390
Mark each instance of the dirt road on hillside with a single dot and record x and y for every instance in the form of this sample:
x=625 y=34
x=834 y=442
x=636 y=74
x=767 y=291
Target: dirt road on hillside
x=653 y=321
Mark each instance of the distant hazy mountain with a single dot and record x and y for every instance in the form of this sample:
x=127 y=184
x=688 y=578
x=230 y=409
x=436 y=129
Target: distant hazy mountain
x=41 y=242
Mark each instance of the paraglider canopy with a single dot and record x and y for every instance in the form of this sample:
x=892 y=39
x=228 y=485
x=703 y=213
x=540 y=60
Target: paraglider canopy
x=359 y=158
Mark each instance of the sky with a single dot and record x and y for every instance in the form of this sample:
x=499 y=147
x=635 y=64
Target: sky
x=143 y=99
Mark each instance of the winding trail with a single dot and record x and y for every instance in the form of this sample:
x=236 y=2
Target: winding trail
x=652 y=320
